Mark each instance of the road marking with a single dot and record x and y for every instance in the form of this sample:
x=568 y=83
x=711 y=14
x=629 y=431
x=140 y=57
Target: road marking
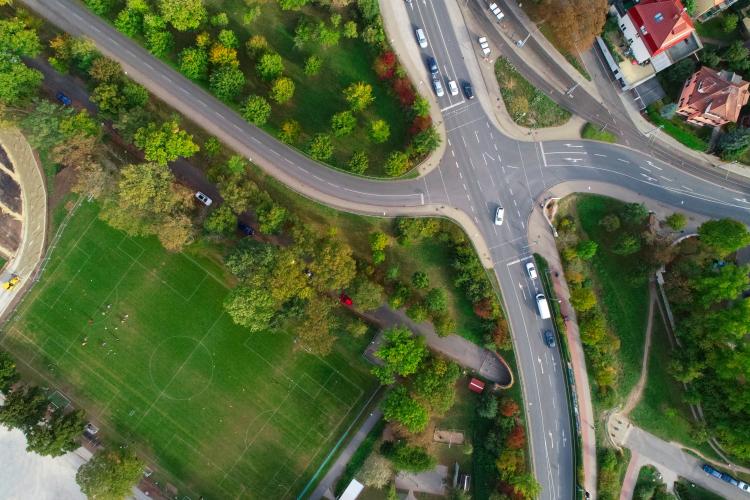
x=464 y=141
x=472 y=209
x=452 y=106
x=572 y=145
x=666 y=178
x=685 y=187
x=476 y=134
x=459 y=175
x=544 y=158
x=567 y=153
x=650 y=164
x=510 y=190
x=742 y=200
x=600 y=155
x=573 y=159
x=453 y=154
x=624 y=161
x=650 y=179
x=465 y=188
x=644 y=168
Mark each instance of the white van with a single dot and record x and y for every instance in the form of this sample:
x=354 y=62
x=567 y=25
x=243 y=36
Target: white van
x=542 y=306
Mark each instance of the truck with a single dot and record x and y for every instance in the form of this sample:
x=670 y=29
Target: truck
x=542 y=306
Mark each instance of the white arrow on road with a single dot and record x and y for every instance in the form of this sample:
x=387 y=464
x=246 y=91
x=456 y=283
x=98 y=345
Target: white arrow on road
x=652 y=165
x=573 y=145
x=573 y=159
x=742 y=200
x=650 y=179
x=541 y=367
x=552 y=441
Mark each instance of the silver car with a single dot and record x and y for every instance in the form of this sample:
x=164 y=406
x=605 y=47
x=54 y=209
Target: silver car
x=438 y=86
x=499 y=213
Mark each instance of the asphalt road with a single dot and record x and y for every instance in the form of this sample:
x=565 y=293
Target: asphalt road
x=480 y=169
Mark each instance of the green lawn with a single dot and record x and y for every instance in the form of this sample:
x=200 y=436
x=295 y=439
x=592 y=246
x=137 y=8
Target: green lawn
x=680 y=130
x=527 y=105
x=139 y=338
x=591 y=131
x=688 y=491
x=625 y=304
x=713 y=29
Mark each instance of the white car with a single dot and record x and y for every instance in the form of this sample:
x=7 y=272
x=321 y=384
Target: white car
x=499 y=213
x=531 y=269
x=421 y=38
x=744 y=486
x=438 y=86
x=203 y=199
x=452 y=87
x=498 y=14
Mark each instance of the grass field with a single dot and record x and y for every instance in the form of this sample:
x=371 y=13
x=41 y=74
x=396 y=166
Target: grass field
x=138 y=337
x=591 y=131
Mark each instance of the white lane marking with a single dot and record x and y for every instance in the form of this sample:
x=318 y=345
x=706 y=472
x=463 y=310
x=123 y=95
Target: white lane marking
x=624 y=161
x=476 y=134
x=572 y=145
x=495 y=145
x=544 y=157
x=453 y=154
x=600 y=155
x=648 y=178
x=510 y=190
x=644 y=169
x=650 y=164
x=567 y=153
x=742 y=200
x=685 y=187
x=666 y=178
x=452 y=106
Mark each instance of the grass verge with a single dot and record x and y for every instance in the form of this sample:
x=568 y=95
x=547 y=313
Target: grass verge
x=591 y=131
x=677 y=129
x=527 y=105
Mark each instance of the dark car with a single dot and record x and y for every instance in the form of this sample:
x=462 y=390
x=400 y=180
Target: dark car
x=468 y=91
x=65 y=100
x=245 y=229
x=432 y=65
x=729 y=479
x=549 y=338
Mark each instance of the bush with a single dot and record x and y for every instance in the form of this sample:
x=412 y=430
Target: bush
x=420 y=280
x=313 y=65
x=676 y=221
x=221 y=221
x=343 y=123
x=270 y=66
x=282 y=89
x=256 y=110
x=380 y=131
x=289 y=131
x=487 y=407
x=409 y=458
x=397 y=164
x=321 y=147
x=358 y=163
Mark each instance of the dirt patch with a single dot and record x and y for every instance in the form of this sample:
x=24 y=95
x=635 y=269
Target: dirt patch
x=10 y=192
x=61 y=187
x=5 y=160
x=449 y=437
x=10 y=232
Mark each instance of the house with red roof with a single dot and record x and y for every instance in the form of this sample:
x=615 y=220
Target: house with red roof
x=713 y=98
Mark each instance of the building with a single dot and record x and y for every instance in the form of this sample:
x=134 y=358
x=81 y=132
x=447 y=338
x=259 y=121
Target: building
x=654 y=34
x=713 y=98
x=706 y=9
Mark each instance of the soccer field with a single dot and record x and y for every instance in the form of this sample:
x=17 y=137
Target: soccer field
x=138 y=337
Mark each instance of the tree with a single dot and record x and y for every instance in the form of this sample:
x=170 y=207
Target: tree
x=436 y=301
x=586 y=249
x=516 y=439
x=159 y=40
x=314 y=333
x=110 y=474
x=292 y=4
x=525 y=486
x=343 y=123
x=223 y=55
x=736 y=54
x=19 y=39
x=425 y=142
x=8 y=373
x=510 y=463
x=282 y=89
x=129 y=22
x=359 y=95
x=380 y=131
x=23 y=408
x=709 y=57
x=610 y=223
x=593 y=329
x=413 y=459
x=251 y=305
x=400 y=407
x=574 y=28
x=509 y=407
x=583 y=299
x=327 y=36
x=333 y=266
x=634 y=213
x=724 y=235
x=313 y=65
x=100 y=7
x=487 y=407
x=378 y=243
x=193 y=63
x=256 y=45
x=270 y=66
x=376 y=472
x=183 y=14
x=417 y=312
x=420 y=280
x=366 y=294
x=358 y=163
x=165 y=143
x=290 y=131
x=321 y=147
x=350 y=29
x=402 y=354
x=734 y=144
x=677 y=221
x=18 y=82
x=256 y=110
x=105 y=70
x=434 y=384
x=421 y=107
x=627 y=244
x=729 y=22
x=726 y=283
x=271 y=217
x=397 y=164
x=226 y=82
x=221 y=221
x=56 y=437
x=219 y=19
x=251 y=15
x=675 y=76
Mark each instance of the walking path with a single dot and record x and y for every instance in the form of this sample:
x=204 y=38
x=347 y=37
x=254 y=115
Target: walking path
x=635 y=394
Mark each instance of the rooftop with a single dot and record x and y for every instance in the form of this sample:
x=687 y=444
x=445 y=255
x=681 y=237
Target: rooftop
x=661 y=23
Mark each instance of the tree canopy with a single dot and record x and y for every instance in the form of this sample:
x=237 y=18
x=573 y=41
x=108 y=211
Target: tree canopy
x=724 y=235
x=402 y=354
x=110 y=475
x=165 y=143
x=402 y=408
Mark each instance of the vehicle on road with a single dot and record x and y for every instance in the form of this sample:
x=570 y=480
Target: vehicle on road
x=11 y=282
x=246 y=229
x=744 y=486
x=542 y=306
x=64 y=100
x=421 y=38
x=727 y=478
x=452 y=87
x=549 y=338
x=432 y=65
x=468 y=91
x=711 y=471
x=531 y=269
x=437 y=86
x=203 y=199
x=499 y=214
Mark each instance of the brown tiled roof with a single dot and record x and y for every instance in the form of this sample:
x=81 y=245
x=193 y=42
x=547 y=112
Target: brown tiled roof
x=720 y=94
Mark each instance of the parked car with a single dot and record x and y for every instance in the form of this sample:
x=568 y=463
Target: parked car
x=484 y=45
x=437 y=86
x=245 y=229
x=64 y=100
x=452 y=87
x=421 y=38
x=549 y=338
x=203 y=199
x=346 y=300
x=711 y=471
x=744 y=486
x=499 y=213
x=496 y=11
x=531 y=269
x=432 y=65
x=468 y=91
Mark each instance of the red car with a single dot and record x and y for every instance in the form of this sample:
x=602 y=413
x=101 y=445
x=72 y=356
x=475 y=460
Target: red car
x=345 y=299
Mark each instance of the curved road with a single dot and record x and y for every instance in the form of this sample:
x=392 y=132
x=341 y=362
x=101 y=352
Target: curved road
x=480 y=169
